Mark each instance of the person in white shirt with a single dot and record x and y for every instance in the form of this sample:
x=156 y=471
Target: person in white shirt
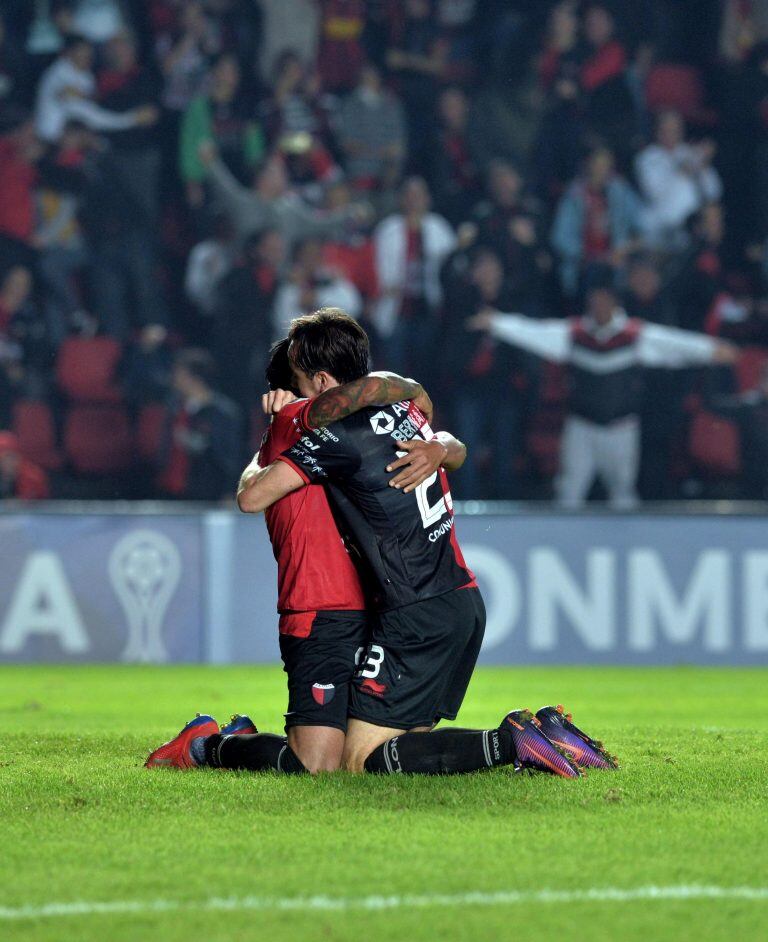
x=605 y=350
x=66 y=92
x=676 y=179
x=409 y=250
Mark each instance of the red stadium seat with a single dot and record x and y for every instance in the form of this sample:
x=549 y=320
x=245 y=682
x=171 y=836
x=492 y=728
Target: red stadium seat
x=750 y=367
x=714 y=444
x=34 y=427
x=150 y=428
x=678 y=88
x=98 y=439
x=86 y=369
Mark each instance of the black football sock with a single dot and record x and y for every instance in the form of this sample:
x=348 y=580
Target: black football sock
x=257 y=753
x=443 y=752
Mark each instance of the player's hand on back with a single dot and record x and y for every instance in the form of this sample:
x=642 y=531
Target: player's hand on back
x=420 y=461
x=276 y=399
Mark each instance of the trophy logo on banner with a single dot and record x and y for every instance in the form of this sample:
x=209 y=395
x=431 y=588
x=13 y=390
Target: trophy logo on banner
x=144 y=568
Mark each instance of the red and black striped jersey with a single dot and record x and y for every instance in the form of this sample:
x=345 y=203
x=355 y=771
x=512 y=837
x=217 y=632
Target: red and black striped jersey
x=407 y=540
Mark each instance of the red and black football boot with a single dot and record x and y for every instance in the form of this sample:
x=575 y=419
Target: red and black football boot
x=587 y=753
x=175 y=753
x=533 y=750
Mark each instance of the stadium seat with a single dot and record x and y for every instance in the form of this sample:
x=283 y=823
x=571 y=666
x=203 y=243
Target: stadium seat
x=750 y=367
x=86 y=369
x=34 y=427
x=714 y=444
x=97 y=439
x=679 y=88
x=150 y=428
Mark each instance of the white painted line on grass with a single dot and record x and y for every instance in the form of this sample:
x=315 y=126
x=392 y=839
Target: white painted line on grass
x=372 y=903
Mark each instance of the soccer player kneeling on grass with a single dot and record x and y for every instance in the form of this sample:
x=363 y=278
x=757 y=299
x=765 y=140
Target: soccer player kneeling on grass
x=426 y=639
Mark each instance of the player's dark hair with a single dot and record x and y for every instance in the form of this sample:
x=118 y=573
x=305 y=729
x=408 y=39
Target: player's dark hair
x=279 y=370
x=332 y=341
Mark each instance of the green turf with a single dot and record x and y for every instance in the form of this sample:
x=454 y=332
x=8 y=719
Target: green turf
x=82 y=821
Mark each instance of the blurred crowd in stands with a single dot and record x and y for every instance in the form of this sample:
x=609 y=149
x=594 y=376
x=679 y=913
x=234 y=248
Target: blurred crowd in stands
x=179 y=178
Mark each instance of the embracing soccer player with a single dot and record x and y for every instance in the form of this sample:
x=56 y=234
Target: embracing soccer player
x=426 y=639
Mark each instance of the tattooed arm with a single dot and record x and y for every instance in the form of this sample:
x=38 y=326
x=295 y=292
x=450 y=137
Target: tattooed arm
x=375 y=389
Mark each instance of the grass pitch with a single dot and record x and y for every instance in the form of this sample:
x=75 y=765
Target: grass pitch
x=82 y=822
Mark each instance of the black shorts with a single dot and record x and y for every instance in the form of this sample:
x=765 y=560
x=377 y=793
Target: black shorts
x=321 y=666
x=420 y=661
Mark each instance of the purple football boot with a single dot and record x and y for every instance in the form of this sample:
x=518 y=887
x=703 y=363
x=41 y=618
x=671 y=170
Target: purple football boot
x=533 y=750
x=239 y=725
x=587 y=753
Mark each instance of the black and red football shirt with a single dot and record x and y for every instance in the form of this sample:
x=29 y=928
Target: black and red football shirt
x=314 y=568
x=407 y=540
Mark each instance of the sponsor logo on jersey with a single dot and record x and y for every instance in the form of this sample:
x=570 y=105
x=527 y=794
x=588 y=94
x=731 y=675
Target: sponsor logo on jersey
x=323 y=693
x=382 y=423
x=444 y=528
x=373 y=687
x=406 y=430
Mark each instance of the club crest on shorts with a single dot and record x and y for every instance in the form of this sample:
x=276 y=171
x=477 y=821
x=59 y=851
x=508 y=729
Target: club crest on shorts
x=323 y=693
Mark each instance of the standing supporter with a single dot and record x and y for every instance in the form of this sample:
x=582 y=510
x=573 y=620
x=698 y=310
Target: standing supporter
x=455 y=176
x=508 y=223
x=270 y=203
x=607 y=100
x=183 y=54
x=242 y=317
x=224 y=117
x=294 y=107
x=66 y=92
x=288 y=24
x=341 y=52
x=676 y=179
x=479 y=370
x=410 y=246
x=557 y=150
x=208 y=262
x=124 y=288
x=20 y=479
x=416 y=58
x=372 y=133
x=19 y=153
x=309 y=286
x=126 y=84
x=699 y=272
x=649 y=297
x=560 y=42
x=62 y=254
x=202 y=450
x=596 y=220
x=605 y=350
